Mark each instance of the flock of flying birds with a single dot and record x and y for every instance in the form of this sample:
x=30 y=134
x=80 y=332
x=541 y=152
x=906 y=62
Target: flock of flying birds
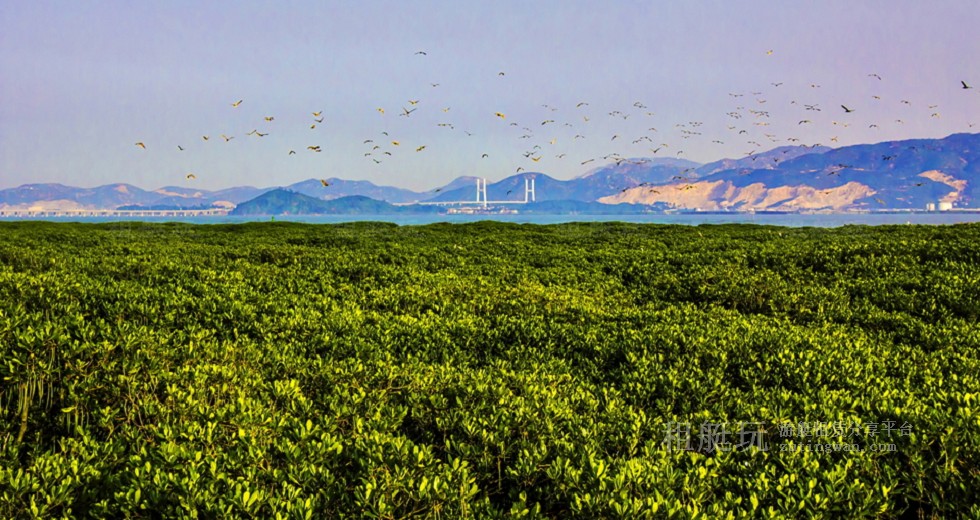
x=748 y=122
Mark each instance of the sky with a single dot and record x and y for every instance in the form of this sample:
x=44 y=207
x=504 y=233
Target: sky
x=583 y=83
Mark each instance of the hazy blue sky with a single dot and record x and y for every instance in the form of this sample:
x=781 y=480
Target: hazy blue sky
x=82 y=82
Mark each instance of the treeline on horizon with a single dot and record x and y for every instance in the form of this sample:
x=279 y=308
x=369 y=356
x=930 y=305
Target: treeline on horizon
x=486 y=370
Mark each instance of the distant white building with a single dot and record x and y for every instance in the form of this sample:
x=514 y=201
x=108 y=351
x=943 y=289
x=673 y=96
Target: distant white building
x=945 y=206
x=931 y=206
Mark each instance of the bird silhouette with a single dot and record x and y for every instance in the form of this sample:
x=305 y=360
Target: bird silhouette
x=236 y=103
x=191 y=176
x=847 y=110
x=420 y=148
x=317 y=114
x=500 y=115
x=179 y=147
x=324 y=183
x=269 y=118
x=204 y=137
x=423 y=53
x=141 y=145
x=292 y=152
x=965 y=86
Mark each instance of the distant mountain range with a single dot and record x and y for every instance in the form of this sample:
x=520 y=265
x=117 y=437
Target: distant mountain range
x=888 y=175
x=285 y=202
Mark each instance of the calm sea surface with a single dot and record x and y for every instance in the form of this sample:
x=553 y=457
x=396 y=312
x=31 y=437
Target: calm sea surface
x=686 y=219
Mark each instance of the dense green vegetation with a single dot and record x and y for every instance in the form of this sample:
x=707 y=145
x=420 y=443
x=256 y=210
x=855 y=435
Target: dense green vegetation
x=281 y=370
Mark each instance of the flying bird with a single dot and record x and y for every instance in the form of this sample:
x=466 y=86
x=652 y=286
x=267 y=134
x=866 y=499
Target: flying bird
x=965 y=86
x=382 y=111
x=847 y=110
x=317 y=114
x=324 y=183
x=236 y=103
x=419 y=149
x=141 y=145
x=191 y=176
x=269 y=118
x=421 y=52
x=179 y=147
x=501 y=116
x=226 y=138
x=292 y=152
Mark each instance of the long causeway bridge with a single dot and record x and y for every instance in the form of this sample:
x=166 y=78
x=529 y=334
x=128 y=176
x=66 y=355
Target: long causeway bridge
x=138 y=213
